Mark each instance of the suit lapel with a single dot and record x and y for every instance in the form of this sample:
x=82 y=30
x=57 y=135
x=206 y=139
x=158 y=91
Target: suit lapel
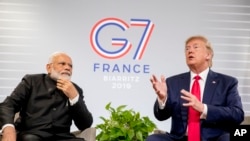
x=184 y=84
x=210 y=87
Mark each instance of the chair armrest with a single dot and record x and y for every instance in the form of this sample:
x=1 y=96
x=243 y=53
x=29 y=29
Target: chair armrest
x=88 y=134
x=158 y=131
x=246 y=120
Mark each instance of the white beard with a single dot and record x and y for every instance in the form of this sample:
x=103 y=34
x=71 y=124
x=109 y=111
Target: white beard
x=56 y=75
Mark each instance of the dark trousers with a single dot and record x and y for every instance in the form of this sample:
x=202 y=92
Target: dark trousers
x=163 y=137
x=33 y=137
x=167 y=137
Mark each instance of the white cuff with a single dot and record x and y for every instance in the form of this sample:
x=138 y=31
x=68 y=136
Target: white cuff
x=6 y=126
x=204 y=113
x=74 y=100
x=162 y=104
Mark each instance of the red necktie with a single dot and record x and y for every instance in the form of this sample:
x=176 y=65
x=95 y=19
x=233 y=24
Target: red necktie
x=193 y=115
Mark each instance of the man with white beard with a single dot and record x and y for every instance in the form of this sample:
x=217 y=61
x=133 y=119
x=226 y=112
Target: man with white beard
x=47 y=103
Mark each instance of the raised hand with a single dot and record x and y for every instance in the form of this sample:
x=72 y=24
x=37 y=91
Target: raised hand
x=160 y=87
x=192 y=101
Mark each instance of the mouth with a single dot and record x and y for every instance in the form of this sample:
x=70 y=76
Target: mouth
x=190 y=57
x=66 y=73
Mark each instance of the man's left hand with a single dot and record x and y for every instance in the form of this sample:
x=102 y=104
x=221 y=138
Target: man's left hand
x=192 y=101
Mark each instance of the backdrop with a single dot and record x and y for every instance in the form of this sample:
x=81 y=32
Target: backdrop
x=117 y=45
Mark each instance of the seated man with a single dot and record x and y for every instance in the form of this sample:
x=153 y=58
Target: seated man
x=48 y=103
x=203 y=105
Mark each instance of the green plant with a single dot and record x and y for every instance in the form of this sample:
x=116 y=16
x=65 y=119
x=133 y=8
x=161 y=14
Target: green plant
x=124 y=125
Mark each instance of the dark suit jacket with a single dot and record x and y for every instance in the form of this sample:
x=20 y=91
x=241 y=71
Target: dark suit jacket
x=220 y=95
x=43 y=108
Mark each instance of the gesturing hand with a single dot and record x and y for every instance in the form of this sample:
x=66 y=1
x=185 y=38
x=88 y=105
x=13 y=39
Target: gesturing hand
x=160 y=87
x=192 y=101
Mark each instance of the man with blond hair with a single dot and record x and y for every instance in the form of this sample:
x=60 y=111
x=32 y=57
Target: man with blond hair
x=201 y=103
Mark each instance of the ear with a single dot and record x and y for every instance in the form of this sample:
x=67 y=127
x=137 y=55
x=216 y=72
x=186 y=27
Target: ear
x=208 y=56
x=48 y=67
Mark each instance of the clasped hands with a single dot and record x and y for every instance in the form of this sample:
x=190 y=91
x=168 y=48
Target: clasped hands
x=160 y=88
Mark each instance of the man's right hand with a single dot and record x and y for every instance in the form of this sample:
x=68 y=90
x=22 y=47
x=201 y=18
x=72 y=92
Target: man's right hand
x=160 y=87
x=9 y=134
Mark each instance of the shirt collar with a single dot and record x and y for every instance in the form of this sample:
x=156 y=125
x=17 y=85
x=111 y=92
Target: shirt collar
x=203 y=74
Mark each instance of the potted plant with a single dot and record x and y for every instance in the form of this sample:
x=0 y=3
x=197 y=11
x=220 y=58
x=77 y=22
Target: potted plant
x=124 y=125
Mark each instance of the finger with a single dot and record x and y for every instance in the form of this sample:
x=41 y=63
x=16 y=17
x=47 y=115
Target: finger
x=60 y=81
x=186 y=98
x=154 y=78
x=185 y=93
x=162 y=78
x=151 y=80
x=186 y=104
x=63 y=82
x=59 y=85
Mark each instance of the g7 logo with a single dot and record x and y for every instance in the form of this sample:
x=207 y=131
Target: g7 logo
x=123 y=43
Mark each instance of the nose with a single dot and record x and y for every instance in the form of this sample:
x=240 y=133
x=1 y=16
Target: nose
x=68 y=67
x=189 y=51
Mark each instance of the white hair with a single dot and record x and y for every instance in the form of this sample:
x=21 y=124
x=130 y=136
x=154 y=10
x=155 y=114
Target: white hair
x=55 y=54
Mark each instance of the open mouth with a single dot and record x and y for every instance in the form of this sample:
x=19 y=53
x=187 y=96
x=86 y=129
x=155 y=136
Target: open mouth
x=190 y=57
